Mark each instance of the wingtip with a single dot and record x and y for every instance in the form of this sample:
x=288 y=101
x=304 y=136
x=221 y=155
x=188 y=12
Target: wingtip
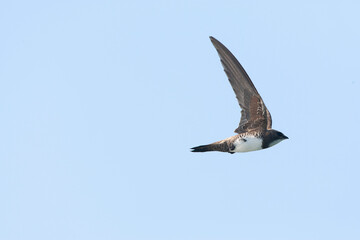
x=217 y=44
x=212 y=39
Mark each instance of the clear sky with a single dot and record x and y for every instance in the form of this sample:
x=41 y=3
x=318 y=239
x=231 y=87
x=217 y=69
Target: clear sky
x=100 y=102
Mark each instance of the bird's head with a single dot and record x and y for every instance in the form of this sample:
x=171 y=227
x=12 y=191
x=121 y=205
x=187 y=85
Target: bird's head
x=274 y=137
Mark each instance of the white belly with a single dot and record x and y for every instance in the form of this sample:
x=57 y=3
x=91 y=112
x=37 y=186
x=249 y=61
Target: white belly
x=247 y=144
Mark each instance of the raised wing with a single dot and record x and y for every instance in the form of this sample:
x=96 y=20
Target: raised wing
x=254 y=114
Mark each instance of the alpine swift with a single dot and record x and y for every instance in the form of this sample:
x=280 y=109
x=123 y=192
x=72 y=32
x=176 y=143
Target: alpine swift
x=254 y=131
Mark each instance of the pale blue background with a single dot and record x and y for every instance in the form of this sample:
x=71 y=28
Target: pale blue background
x=101 y=101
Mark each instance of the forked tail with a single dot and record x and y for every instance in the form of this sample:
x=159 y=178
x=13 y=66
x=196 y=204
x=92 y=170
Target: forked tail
x=217 y=146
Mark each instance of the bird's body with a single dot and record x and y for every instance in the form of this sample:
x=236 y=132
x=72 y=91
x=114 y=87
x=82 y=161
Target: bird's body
x=254 y=131
x=246 y=143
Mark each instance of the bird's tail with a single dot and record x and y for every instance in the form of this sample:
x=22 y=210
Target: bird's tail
x=217 y=146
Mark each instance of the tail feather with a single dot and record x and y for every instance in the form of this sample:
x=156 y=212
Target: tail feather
x=203 y=148
x=217 y=146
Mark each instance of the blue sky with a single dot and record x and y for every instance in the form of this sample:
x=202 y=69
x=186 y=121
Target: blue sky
x=101 y=101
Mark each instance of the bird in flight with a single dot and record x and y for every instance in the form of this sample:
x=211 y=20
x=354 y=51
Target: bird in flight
x=254 y=131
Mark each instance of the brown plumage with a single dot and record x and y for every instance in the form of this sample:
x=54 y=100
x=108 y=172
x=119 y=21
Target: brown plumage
x=254 y=114
x=221 y=146
x=255 y=123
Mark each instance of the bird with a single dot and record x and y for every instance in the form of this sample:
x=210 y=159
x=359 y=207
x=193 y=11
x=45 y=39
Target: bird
x=254 y=131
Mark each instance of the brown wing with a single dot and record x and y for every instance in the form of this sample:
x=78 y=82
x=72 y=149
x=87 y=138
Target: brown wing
x=254 y=114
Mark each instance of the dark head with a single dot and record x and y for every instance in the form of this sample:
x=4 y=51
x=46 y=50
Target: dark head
x=273 y=137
